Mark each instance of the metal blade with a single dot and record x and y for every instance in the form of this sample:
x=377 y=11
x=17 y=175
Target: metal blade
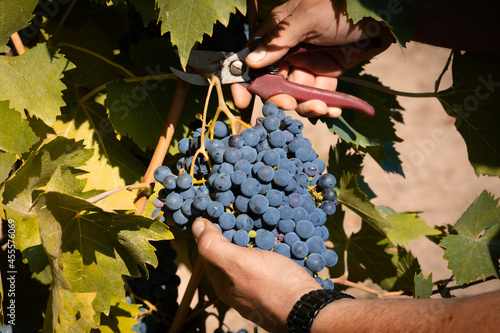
x=196 y=79
x=207 y=61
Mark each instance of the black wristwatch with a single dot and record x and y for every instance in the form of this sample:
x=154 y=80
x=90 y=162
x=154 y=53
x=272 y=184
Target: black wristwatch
x=307 y=308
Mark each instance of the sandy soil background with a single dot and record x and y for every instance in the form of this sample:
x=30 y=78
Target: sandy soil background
x=439 y=182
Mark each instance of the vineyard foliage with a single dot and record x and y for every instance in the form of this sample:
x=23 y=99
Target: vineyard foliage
x=83 y=108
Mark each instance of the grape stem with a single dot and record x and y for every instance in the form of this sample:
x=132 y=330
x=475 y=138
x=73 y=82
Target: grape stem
x=118 y=189
x=343 y=281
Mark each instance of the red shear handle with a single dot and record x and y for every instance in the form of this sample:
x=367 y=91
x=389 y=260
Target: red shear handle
x=269 y=85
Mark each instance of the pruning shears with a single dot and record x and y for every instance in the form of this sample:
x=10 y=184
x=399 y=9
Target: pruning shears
x=231 y=67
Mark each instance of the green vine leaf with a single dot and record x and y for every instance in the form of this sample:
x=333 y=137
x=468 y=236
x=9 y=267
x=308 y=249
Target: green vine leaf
x=17 y=137
x=399 y=227
x=122 y=317
x=423 y=286
x=400 y=16
x=14 y=16
x=475 y=250
x=473 y=100
x=32 y=81
x=22 y=190
x=6 y=162
x=187 y=21
x=89 y=243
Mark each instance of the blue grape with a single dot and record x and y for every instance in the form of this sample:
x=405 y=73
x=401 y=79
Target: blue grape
x=262 y=146
x=286 y=212
x=330 y=195
x=283 y=249
x=291 y=238
x=215 y=209
x=277 y=139
x=158 y=203
x=174 y=201
x=243 y=165
x=220 y=129
x=184 y=144
x=328 y=207
x=295 y=200
x=241 y=203
x=299 y=214
x=251 y=137
x=271 y=216
x=300 y=250
x=320 y=164
x=311 y=169
x=238 y=177
x=296 y=126
x=241 y=238
x=222 y=182
x=264 y=188
x=161 y=172
x=271 y=123
x=304 y=229
x=244 y=222
x=226 y=168
x=271 y=157
x=236 y=141
x=261 y=131
x=187 y=208
x=248 y=153
x=302 y=178
x=232 y=155
x=258 y=204
x=226 y=198
x=315 y=262
x=315 y=244
x=275 y=197
x=179 y=217
x=327 y=181
x=170 y=182
x=265 y=174
x=320 y=281
x=270 y=109
x=296 y=144
x=188 y=194
x=201 y=202
x=229 y=234
x=304 y=154
x=281 y=178
x=286 y=226
x=227 y=221
x=250 y=187
x=330 y=257
x=328 y=284
x=265 y=239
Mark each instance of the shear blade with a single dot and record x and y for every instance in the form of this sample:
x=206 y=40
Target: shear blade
x=196 y=79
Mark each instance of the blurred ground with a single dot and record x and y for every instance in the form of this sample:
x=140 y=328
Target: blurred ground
x=439 y=182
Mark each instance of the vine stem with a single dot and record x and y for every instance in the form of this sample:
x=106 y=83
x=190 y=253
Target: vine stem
x=164 y=142
x=18 y=43
x=118 y=189
x=158 y=77
x=194 y=281
x=386 y=90
x=345 y=282
x=97 y=55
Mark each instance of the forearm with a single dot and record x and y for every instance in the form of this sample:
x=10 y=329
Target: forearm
x=463 y=25
x=465 y=314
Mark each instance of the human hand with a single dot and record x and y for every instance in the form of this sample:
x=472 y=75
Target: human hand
x=261 y=285
x=317 y=22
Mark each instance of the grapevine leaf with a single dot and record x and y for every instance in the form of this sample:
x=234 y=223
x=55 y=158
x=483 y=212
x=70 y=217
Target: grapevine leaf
x=407 y=266
x=113 y=163
x=187 y=21
x=17 y=137
x=6 y=162
x=154 y=56
x=367 y=255
x=147 y=9
x=423 y=286
x=407 y=226
x=1 y=301
x=90 y=242
x=387 y=157
x=142 y=114
x=346 y=132
x=90 y=70
x=31 y=81
x=475 y=250
x=473 y=100
x=21 y=190
x=399 y=228
x=14 y=16
x=121 y=317
x=401 y=17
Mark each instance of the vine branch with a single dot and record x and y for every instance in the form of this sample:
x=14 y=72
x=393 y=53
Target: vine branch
x=97 y=55
x=385 y=89
x=118 y=189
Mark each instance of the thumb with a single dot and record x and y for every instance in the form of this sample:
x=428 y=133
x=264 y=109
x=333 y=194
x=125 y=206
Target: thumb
x=212 y=245
x=276 y=43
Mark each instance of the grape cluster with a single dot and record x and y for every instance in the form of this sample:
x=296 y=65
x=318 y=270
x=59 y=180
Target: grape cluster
x=265 y=189
x=160 y=290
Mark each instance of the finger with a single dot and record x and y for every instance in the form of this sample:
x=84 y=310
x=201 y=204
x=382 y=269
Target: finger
x=312 y=108
x=284 y=102
x=318 y=62
x=301 y=76
x=212 y=245
x=241 y=96
x=325 y=82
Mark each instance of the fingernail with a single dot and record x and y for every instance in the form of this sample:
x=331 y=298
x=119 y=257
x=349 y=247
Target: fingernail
x=197 y=228
x=257 y=55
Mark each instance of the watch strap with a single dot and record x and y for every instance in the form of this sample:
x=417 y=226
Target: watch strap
x=307 y=308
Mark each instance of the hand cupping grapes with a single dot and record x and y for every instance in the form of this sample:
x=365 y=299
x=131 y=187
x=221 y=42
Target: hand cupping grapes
x=264 y=189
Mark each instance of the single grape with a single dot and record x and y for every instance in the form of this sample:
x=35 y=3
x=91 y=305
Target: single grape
x=265 y=239
x=277 y=139
x=283 y=249
x=222 y=182
x=241 y=238
x=226 y=198
x=330 y=257
x=201 y=202
x=244 y=222
x=327 y=181
x=227 y=221
x=232 y=155
x=161 y=172
x=304 y=229
x=174 y=201
x=286 y=226
x=275 y=197
x=241 y=203
x=271 y=123
x=271 y=216
x=315 y=244
x=220 y=129
x=250 y=187
x=215 y=209
x=270 y=109
x=265 y=174
x=236 y=141
x=251 y=137
x=243 y=165
x=291 y=238
x=258 y=204
x=170 y=182
x=299 y=250
x=248 y=153
x=296 y=126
